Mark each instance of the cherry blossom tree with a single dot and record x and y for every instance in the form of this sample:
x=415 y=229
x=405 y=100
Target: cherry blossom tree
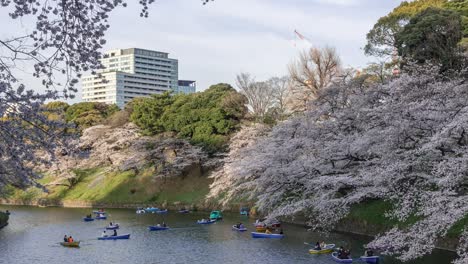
x=65 y=40
x=404 y=142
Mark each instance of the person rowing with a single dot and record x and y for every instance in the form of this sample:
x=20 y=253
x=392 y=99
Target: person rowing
x=104 y=234
x=65 y=239
x=115 y=233
x=317 y=246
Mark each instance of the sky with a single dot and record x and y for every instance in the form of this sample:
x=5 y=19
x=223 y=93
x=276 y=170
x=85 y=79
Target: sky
x=216 y=41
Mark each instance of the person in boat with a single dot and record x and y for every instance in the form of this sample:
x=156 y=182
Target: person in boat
x=268 y=231
x=281 y=231
x=164 y=224
x=345 y=253
x=65 y=239
x=323 y=245
x=70 y=239
x=104 y=234
x=317 y=246
x=115 y=233
x=241 y=226
x=340 y=251
x=369 y=253
x=158 y=225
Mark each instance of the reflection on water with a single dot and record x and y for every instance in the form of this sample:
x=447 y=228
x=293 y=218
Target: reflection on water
x=33 y=235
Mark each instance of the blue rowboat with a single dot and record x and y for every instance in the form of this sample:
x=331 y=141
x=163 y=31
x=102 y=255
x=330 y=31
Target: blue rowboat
x=100 y=217
x=265 y=235
x=127 y=236
x=373 y=259
x=98 y=212
x=161 y=211
x=86 y=219
x=336 y=259
x=157 y=228
x=206 y=222
x=112 y=227
x=234 y=227
x=184 y=211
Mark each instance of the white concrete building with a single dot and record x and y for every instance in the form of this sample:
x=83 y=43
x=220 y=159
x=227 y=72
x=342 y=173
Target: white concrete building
x=130 y=73
x=186 y=87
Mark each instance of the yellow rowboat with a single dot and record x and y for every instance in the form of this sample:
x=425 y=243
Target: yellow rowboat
x=72 y=244
x=327 y=249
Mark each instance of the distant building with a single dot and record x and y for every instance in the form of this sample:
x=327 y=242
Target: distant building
x=130 y=73
x=186 y=87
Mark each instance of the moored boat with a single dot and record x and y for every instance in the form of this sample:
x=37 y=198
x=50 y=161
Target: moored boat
x=336 y=259
x=100 y=217
x=88 y=219
x=158 y=228
x=234 y=227
x=327 y=249
x=126 y=236
x=70 y=244
x=265 y=235
x=184 y=211
x=161 y=211
x=99 y=212
x=371 y=259
x=206 y=222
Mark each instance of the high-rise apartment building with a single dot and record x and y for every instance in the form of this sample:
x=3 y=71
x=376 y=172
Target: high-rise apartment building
x=130 y=73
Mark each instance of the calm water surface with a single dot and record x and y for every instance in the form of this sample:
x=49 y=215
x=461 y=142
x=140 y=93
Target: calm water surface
x=33 y=234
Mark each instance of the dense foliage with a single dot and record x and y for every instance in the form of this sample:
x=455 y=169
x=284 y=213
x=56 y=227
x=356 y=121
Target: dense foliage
x=206 y=118
x=381 y=39
x=432 y=35
x=405 y=142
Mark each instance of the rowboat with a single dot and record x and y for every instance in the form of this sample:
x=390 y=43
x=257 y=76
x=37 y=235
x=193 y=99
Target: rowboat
x=206 y=222
x=103 y=217
x=184 y=211
x=158 y=228
x=327 y=249
x=336 y=259
x=99 y=212
x=87 y=219
x=70 y=244
x=216 y=215
x=161 y=211
x=265 y=235
x=234 y=227
x=372 y=259
x=127 y=236
x=151 y=209
x=112 y=227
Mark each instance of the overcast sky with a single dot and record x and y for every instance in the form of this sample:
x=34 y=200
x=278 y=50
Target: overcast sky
x=216 y=41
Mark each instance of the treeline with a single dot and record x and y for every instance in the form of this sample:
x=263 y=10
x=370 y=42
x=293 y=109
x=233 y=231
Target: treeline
x=206 y=118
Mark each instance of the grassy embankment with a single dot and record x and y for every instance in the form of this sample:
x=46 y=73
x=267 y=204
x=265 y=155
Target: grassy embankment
x=371 y=216
x=114 y=188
